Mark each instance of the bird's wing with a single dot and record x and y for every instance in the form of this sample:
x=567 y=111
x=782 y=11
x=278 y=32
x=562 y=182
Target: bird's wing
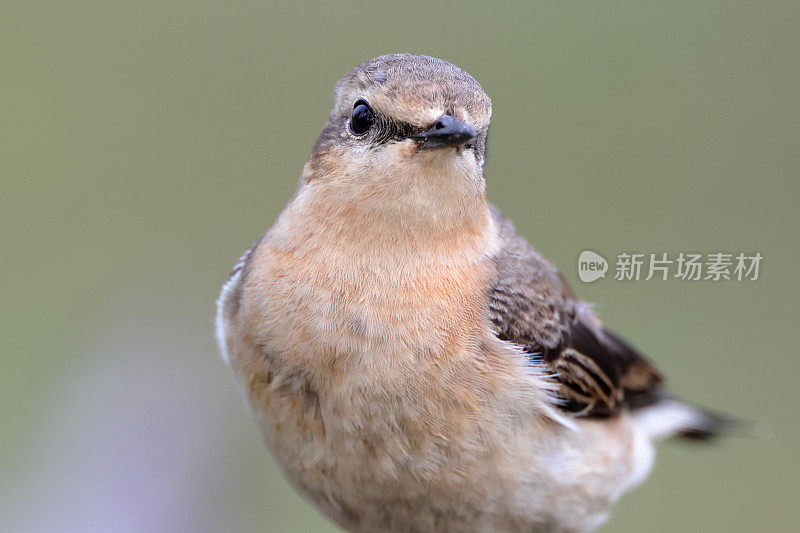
x=530 y=304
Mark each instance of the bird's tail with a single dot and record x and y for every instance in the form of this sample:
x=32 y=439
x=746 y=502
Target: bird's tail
x=673 y=418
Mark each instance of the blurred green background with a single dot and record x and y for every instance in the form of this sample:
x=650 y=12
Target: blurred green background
x=146 y=144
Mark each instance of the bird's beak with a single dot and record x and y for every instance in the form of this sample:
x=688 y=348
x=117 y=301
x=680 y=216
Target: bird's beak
x=448 y=131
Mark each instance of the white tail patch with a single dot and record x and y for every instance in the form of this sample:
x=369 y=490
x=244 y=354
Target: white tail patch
x=666 y=419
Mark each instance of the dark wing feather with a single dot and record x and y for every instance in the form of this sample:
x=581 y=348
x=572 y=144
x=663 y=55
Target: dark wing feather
x=530 y=304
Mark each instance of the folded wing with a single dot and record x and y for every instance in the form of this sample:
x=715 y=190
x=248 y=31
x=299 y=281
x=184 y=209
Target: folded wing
x=530 y=304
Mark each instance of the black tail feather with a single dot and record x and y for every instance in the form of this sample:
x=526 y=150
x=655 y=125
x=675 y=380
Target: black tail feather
x=710 y=425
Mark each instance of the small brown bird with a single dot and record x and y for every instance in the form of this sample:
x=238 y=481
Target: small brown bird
x=413 y=363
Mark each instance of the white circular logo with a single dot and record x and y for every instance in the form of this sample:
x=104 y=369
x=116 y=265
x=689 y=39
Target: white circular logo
x=591 y=266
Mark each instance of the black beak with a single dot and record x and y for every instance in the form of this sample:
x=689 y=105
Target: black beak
x=448 y=131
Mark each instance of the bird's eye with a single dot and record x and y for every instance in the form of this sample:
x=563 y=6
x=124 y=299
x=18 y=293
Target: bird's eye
x=363 y=118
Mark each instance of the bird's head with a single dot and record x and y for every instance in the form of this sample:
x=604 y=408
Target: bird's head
x=405 y=131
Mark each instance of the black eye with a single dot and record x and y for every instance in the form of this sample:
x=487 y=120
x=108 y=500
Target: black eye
x=363 y=118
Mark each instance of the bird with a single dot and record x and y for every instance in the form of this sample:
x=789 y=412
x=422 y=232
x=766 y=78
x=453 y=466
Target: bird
x=412 y=362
